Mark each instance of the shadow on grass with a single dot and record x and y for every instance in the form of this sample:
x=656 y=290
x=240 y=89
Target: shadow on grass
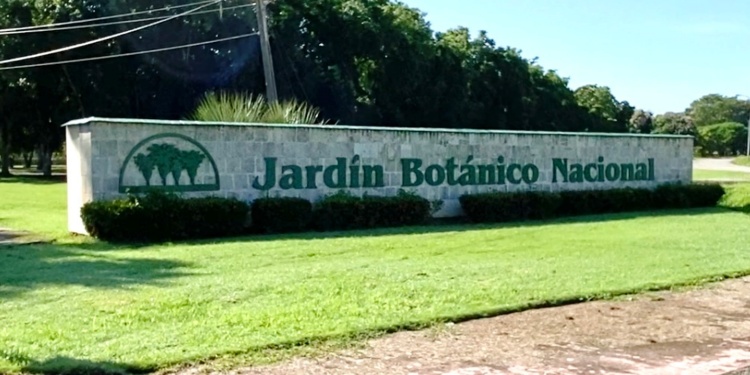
x=68 y=366
x=26 y=268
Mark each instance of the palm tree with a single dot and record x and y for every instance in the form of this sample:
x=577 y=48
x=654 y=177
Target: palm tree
x=146 y=166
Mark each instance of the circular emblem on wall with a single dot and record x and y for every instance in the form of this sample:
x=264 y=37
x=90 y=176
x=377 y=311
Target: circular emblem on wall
x=169 y=162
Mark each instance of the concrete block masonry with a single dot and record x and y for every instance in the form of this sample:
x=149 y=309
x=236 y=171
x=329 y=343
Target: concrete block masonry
x=109 y=157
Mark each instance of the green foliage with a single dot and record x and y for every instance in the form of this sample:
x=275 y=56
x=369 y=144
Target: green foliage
x=742 y=160
x=737 y=198
x=281 y=215
x=715 y=109
x=674 y=123
x=248 y=108
x=688 y=196
x=726 y=139
x=158 y=216
x=343 y=211
x=502 y=207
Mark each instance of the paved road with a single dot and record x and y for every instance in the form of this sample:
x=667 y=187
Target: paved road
x=721 y=164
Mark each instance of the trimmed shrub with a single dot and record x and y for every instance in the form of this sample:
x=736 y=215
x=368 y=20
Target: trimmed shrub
x=343 y=211
x=158 y=216
x=688 y=196
x=501 y=207
x=281 y=215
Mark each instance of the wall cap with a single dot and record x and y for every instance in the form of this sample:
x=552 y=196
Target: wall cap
x=147 y=122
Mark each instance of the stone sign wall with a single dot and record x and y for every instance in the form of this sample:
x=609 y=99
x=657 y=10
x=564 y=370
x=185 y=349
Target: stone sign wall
x=108 y=158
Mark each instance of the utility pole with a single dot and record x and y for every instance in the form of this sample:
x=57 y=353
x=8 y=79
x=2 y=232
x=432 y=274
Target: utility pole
x=748 y=136
x=265 y=48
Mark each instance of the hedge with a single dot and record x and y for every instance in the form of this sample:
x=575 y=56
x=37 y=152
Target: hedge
x=158 y=216
x=503 y=207
x=343 y=211
x=281 y=215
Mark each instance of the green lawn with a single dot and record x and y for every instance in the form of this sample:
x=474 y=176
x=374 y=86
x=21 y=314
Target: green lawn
x=254 y=299
x=742 y=160
x=707 y=175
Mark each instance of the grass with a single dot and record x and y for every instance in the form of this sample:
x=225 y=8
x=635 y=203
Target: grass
x=707 y=175
x=742 y=160
x=35 y=205
x=257 y=299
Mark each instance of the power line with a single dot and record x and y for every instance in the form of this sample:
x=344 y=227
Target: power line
x=116 y=22
x=84 y=44
x=104 y=17
x=97 y=58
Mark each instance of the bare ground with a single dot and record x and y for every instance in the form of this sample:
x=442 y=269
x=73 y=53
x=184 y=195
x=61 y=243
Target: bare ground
x=704 y=331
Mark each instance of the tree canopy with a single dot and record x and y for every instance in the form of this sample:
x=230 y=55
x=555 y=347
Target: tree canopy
x=360 y=62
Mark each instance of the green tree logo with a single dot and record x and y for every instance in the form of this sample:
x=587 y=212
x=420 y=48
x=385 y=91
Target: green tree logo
x=167 y=159
x=191 y=161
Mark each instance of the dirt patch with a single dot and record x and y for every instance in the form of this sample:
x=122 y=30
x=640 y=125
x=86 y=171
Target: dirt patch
x=703 y=331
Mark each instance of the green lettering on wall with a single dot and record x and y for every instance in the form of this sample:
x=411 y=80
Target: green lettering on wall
x=450 y=168
x=338 y=171
x=411 y=176
x=291 y=177
x=434 y=175
x=641 y=172
x=312 y=175
x=627 y=172
x=468 y=173
x=511 y=174
x=559 y=166
x=354 y=173
x=576 y=173
x=486 y=174
x=374 y=176
x=612 y=172
x=588 y=172
x=270 y=176
x=530 y=174
x=651 y=172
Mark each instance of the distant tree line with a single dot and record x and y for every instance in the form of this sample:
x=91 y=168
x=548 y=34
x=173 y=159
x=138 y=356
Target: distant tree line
x=359 y=62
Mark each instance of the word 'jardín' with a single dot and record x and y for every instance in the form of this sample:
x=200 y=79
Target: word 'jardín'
x=352 y=174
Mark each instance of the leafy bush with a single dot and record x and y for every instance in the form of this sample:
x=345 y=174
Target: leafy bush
x=500 y=207
x=158 y=216
x=343 y=211
x=726 y=139
x=281 y=215
x=688 y=196
x=243 y=107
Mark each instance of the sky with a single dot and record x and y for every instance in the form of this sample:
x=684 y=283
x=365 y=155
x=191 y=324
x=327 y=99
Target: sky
x=659 y=55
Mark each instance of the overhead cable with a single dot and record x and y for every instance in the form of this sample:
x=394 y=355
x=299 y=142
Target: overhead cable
x=123 y=15
x=97 y=58
x=117 y=22
x=99 y=40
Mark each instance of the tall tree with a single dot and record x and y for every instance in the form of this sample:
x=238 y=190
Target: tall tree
x=714 y=109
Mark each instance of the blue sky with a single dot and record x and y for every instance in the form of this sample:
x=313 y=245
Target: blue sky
x=659 y=55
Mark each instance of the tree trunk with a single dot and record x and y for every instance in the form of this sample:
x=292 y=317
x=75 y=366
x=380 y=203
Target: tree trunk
x=5 y=152
x=39 y=158
x=28 y=157
x=5 y=155
x=47 y=163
